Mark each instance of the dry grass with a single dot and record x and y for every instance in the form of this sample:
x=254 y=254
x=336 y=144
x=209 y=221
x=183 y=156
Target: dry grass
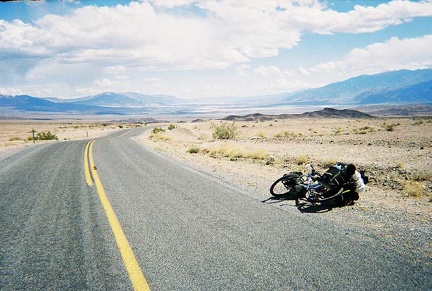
x=392 y=150
x=416 y=189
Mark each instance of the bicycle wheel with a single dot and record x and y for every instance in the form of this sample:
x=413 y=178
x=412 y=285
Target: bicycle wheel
x=283 y=185
x=314 y=196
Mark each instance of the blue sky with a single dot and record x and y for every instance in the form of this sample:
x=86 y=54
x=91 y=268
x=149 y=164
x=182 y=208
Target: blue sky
x=205 y=48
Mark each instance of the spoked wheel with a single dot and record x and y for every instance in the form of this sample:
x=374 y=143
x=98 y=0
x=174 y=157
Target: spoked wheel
x=283 y=185
x=314 y=196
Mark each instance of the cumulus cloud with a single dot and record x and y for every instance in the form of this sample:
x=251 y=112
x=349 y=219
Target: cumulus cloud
x=360 y=20
x=243 y=70
x=304 y=71
x=103 y=83
x=271 y=71
x=394 y=54
x=231 y=31
x=10 y=91
x=97 y=43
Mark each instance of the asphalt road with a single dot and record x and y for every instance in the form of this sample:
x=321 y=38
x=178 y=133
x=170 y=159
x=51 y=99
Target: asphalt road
x=187 y=230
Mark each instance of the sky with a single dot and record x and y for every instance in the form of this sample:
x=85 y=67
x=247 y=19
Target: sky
x=205 y=48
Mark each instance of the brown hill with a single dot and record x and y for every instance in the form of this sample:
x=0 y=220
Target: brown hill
x=323 y=113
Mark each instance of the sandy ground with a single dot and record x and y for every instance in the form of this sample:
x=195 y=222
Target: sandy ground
x=396 y=153
x=17 y=134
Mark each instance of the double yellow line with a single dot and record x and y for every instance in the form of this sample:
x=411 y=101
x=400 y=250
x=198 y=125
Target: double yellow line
x=135 y=274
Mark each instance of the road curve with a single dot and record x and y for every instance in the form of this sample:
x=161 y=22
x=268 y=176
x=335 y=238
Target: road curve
x=187 y=230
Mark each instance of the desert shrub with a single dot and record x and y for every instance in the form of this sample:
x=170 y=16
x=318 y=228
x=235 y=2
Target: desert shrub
x=364 y=130
x=287 y=134
x=46 y=135
x=231 y=151
x=171 y=126
x=261 y=134
x=193 y=150
x=279 y=135
x=228 y=151
x=415 y=189
x=225 y=131
x=158 y=130
x=338 y=131
x=328 y=163
x=14 y=138
x=421 y=175
x=301 y=159
x=160 y=137
x=390 y=127
x=259 y=154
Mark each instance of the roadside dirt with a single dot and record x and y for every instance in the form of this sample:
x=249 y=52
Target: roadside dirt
x=395 y=152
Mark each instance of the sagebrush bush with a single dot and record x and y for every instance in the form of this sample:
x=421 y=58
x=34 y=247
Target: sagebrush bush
x=158 y=130
x=225 y=131
x=259 y=154
x=415 y=189
x=364 y=130
x=193 y=150
x=160 y=137
x=46 y=135
x=301 y=159
x=328 y=163
x=171 y=126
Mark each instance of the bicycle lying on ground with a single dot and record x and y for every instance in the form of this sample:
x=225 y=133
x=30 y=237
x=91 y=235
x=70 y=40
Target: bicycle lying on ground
x=298 y=185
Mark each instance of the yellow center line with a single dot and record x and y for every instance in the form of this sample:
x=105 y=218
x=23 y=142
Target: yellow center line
x=135 y=274
x=86 y=165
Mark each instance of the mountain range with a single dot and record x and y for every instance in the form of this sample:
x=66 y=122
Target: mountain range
x=396 y=87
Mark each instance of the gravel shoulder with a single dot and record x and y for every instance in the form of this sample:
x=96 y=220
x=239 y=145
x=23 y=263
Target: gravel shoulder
x=395 y=152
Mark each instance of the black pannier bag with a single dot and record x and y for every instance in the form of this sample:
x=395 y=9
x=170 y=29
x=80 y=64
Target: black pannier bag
x=294 y=182
x=334 y=177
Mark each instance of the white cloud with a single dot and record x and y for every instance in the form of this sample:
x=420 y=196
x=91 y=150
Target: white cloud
x=243 y=70
x=104 y=83
x=304 y=71
x=272 y=71
x=102 y=46
x=268 y=70
x=283 y=85
x=10 y=91
x=362 y=19
x=171 y=3
x=395 y=54
x=231 y=32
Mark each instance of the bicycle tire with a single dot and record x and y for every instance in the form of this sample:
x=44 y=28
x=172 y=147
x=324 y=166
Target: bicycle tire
x=283 y=185
x=324 y=197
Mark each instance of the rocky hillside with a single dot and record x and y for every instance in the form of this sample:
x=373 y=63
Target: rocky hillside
x=324 y=113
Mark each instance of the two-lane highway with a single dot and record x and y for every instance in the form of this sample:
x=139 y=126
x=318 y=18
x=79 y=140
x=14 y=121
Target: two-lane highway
x=185 y=229
x=54 y=233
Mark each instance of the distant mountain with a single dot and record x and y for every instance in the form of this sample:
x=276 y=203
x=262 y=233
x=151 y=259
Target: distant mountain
x=399 y=87
x=418 y=93
x=125 y=100
x=29 y=103
x=25 y=103
x=324 y=113
x=397 y=110
x=369 y=88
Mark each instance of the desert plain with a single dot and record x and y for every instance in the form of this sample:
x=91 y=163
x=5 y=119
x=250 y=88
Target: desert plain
x=395 y=152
